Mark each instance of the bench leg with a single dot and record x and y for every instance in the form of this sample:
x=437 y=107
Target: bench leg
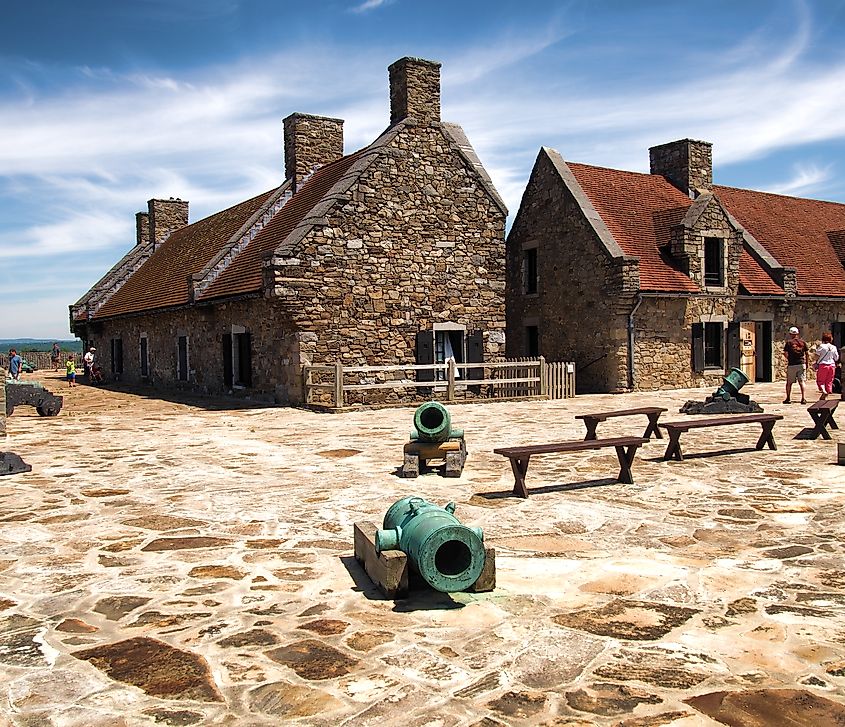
x=652 y=427
x=767 y=437
x=673 y=450
x=591 y=428
x=626 y=459
x=830 y=421
x=520 y=467
x=820 y=418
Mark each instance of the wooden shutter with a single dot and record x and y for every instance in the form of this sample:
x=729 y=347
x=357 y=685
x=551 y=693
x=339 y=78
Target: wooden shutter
x=145 y=366
x=425 y=354
x=245 y=359
x=475 y=354
x=227 y=360
x=734 y=351
x=698 y=347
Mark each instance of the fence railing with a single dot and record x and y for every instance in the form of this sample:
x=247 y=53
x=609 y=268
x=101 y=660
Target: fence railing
x=39 y=359
x=337 y=385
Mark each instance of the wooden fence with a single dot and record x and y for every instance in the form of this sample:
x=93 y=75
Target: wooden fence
x=39 y=359
x=337 y=386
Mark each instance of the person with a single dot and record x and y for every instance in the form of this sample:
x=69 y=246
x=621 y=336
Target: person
x=88 y=362
x=70 y=369
x=797 y=355
x=56 y=356
x=826 y=357
x=15 y=364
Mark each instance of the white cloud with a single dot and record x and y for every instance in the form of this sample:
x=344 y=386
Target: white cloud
x=370 y=5
x=808 y=179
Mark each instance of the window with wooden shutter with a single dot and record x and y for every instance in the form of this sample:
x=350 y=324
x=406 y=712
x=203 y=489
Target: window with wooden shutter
x=243 y=345
x=698 y=347
x=425 y=354
x=734 y=345
x=475 y=354
x=227 y=360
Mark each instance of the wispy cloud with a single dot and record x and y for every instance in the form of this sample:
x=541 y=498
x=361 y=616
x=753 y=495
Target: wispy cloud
x=808 y=179
x=368 y=5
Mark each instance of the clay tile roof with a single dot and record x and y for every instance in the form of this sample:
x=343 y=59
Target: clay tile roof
x=754 y=279
x=796 y=232
x=162 y=281
x=243 y=275
x=639 y=210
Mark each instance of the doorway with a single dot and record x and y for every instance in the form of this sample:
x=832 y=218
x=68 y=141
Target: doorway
x=762 y=351
x=747 y=349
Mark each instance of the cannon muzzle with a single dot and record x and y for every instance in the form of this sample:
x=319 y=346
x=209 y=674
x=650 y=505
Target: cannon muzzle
x=731 y=384
x=448 y=555
x=432 y=423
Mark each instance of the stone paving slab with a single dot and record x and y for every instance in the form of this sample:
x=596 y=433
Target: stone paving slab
x=186 y=563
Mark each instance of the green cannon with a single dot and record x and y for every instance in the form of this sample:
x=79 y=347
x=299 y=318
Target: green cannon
x=447 y=555
x=434 y=438
x=34 y=394
x=731 y=384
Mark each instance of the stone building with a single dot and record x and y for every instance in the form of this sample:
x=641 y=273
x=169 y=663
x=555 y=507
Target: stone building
x=665 y=280
x=393 y=254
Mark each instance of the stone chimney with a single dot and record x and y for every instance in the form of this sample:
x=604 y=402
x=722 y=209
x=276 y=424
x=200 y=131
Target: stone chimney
x=310 y=143
x=414 y=90
x=686 y=163
x=142 y=229
x=165 y=217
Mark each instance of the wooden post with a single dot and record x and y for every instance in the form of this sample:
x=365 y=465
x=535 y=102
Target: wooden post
x=338 y=385
x=544 y=384
x=450 y=390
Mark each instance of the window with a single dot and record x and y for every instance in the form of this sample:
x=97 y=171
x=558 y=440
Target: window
x=714 y=269
x=237 y=358
x=529 y=271
x=117 y=355
x=182 y=358
x=714 y=348
x=449 y=340
x=144 y=356
x=532 y=341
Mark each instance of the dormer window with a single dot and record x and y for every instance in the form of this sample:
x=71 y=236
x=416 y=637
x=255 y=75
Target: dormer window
x=714 y=267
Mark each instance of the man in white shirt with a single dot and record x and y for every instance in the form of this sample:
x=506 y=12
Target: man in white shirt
x=88 y=362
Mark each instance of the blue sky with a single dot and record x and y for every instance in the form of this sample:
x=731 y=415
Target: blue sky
x=104 y=105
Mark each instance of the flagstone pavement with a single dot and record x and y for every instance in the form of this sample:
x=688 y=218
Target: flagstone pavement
x=188 y=562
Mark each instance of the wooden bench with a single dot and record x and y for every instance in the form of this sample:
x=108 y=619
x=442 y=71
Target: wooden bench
x=626 y=448
x=653 y=413
x=822 y=413
x=675 y=429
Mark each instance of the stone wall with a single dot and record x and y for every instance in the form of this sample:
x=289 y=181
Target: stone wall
x=275 y=370
x=582 y=294
x=310 y=142
x=418 y=241
x=686 y=163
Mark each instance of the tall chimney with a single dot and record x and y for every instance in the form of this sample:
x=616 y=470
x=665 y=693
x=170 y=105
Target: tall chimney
x=686 y=163
x=311 y=142
x=165 y=217
x=142 y=228
x=414 y=90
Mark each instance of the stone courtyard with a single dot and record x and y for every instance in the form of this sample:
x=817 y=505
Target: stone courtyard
x=189 y=563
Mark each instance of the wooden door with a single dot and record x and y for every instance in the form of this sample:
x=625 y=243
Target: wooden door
x=747 y=348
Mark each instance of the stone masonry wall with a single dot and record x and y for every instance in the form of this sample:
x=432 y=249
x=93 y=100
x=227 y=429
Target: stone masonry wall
x=419 y=241
x=275 y=349
x=686 y=163
x=577 y=307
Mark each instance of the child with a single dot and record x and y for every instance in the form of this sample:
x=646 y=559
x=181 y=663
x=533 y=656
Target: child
x=70 y=367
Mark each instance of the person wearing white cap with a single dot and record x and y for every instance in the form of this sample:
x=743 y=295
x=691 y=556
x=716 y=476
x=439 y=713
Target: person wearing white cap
x=797 y=355
x=88 y=362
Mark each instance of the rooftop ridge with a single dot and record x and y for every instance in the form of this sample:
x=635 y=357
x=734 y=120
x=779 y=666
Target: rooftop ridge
x=201 y=281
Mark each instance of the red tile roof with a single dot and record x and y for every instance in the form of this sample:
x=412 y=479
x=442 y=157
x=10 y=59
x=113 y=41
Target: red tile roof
x=640 y=210
x=243 y=275
x=795 y=231
x=162 y=281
